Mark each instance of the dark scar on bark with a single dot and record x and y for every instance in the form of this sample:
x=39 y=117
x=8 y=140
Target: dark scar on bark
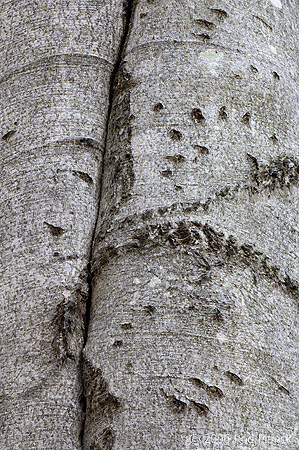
x=55 y=231
x=233 y=377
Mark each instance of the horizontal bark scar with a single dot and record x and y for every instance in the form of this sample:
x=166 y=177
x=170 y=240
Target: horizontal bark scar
x=8 y=135
x=54 y=230
x=233 y=377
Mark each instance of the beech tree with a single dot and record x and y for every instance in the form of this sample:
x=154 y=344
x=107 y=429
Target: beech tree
x=149 y=224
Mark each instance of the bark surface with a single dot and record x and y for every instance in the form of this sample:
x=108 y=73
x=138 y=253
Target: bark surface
x=193 y=336
x=56 y=62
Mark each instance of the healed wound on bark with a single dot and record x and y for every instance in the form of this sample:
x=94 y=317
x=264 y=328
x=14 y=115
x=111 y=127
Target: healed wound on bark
x=191 y=235
x=70 y=321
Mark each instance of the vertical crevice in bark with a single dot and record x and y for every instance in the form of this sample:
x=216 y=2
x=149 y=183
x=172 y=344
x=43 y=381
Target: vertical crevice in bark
x=128 y=7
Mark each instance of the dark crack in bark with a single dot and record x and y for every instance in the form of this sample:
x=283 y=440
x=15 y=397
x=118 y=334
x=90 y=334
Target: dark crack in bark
x=125 y=175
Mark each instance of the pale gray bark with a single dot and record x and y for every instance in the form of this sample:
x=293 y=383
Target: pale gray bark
x=57 y=58
x=193 y=336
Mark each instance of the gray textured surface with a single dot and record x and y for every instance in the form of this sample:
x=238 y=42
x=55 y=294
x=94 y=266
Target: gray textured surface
x=193 y=334
x=195 y=299
x=56 y=62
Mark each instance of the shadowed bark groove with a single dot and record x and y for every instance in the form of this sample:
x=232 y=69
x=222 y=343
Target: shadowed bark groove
x=90 y=374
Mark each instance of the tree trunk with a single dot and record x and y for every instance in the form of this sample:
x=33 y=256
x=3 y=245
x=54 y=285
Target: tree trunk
x=193 y=336
x=57 y=59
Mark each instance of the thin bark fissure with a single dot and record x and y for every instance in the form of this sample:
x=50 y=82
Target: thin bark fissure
x=128 y=10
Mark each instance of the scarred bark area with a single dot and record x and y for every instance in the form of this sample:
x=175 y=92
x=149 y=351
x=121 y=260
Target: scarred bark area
x=193 y=329
x=56 y=62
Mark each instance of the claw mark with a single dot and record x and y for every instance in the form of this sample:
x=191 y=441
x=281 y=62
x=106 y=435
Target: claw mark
x=176 y=158
x=253 y=160
x=202 y=35
x=166 y=173
x=273 y=138
x=201 y=149
x=254 y=69
x=177 y=404
x=214 y=390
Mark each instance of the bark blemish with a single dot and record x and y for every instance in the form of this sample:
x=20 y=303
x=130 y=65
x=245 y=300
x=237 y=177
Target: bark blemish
x=70 y=320
x=200 y=408
x=106 y=440
x=105 y=254
x=215 y=240
x=223 y=113
x=246 y=118
x=276 y=76
x=89 y=142
x=175 y=135
x=197 y=115
x=97 y=390
x=158 y=107
x=220 y=13
x=253 y=69
x=8 y=135
x=205 y=23
x=233 y=377
x=201 y=149
x=278 y=172
x=176 y=158
x=83 y=175
x=55 y=231
x=184 y=234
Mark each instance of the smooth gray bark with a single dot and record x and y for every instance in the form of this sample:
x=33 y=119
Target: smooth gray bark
x=193 y=338
x=56 y=60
